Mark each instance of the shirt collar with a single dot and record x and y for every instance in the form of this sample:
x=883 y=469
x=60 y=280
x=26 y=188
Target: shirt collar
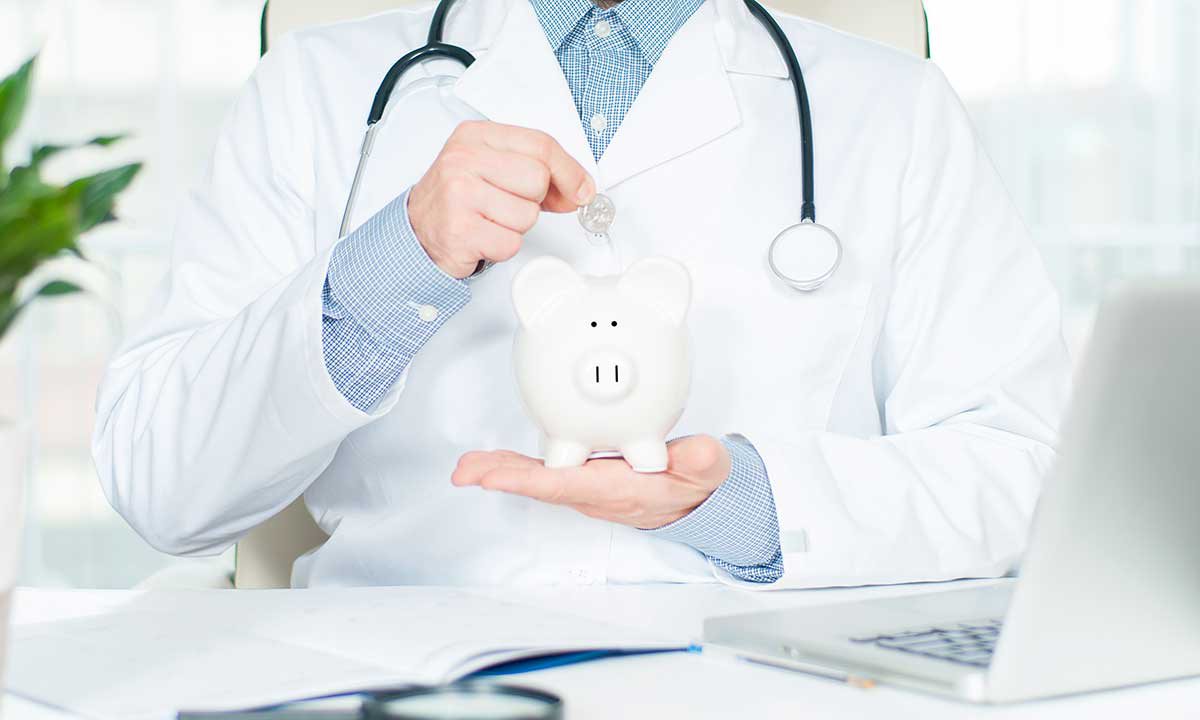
x=651 y=23
x=559 y=17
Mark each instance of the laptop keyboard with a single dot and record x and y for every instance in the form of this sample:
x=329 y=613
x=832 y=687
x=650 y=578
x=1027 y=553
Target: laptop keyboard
x=969 y=643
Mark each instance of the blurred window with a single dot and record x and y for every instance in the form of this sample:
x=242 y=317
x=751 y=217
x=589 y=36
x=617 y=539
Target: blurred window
x=1089 y=110
x=164 y=71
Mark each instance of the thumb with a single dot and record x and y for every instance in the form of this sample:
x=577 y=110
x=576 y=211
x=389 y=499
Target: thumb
x=565 y=196
x=699 y=456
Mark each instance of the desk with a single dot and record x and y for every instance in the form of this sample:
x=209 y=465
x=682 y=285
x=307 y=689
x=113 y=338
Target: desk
x=700 y=686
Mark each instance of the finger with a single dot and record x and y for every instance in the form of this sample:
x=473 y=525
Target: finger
x=493 y=242
x=519 y=174
x=571 y=186
x=529 y=481
x=638 y=500
x=473 y=466
x=556 y=486
x=591 y=484
x=505 y=209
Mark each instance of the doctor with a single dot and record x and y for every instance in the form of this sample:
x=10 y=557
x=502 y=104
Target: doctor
x=894 y=426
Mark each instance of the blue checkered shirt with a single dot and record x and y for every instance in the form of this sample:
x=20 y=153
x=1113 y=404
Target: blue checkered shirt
x=384 y=298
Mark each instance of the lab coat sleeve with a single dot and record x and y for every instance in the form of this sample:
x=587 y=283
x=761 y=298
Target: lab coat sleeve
x=970 y=375
x=219 y=412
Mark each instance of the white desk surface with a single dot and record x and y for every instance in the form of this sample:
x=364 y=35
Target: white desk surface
x=699 y=686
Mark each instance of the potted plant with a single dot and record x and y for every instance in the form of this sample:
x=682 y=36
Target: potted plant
x=40 y=224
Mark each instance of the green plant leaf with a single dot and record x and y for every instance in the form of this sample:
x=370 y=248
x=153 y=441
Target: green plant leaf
x=14 y=95
x=39 y=221
x=8 y=313
x=106 y=140
x=56 y=288
x=10 y=309
x=23 y=187
x=99 y=194
x=42 y=228
x=45 y=152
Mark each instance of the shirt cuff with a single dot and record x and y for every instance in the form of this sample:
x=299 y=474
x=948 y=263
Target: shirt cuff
x=736 y=527
x=383 y=299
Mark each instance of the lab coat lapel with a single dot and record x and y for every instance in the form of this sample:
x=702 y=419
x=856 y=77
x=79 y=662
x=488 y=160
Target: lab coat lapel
x=687 y=102
x=746 y=46
x=519 y=82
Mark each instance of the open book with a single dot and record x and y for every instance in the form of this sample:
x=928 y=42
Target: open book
x=163 y=652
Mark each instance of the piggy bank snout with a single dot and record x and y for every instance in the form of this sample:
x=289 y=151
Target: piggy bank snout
x=605 y=375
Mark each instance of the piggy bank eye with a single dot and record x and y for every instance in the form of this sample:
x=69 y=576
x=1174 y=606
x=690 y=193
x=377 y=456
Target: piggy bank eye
x=614 y=323
x=594 y=323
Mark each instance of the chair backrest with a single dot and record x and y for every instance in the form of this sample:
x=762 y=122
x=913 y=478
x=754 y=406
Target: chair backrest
x=265 y=556
x=899 y=23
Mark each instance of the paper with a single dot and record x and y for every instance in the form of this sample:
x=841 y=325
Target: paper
x=220 y=650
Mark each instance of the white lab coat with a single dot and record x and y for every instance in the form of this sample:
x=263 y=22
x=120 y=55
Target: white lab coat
x=906 y=412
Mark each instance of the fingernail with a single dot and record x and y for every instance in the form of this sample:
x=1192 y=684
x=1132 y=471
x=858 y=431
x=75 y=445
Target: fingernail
x=587 y=191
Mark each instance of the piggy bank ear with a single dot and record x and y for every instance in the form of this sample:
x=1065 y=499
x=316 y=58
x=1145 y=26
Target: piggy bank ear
x=661 y=283
x=540 y=284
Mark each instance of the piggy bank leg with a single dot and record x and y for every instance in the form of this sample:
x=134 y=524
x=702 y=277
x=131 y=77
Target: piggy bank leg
x=564 y=453
x=646 y=457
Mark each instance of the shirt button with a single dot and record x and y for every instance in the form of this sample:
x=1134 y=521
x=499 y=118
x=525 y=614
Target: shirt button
x=599 y=122
x=603 y=29
x=427 y=313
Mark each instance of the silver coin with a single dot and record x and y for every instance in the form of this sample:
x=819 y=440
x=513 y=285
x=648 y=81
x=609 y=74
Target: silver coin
x=597 y=216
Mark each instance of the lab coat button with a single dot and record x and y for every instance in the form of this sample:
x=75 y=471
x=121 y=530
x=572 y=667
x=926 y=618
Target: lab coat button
x=603 y=29
x=427 y=313
x=599 y=122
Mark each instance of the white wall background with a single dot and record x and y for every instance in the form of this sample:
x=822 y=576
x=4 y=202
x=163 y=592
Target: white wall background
x=1089 y=107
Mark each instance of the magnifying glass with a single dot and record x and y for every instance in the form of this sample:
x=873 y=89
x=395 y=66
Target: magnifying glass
x=465 y=701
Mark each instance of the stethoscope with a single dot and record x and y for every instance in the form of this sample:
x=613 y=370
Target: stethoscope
x=804 y=256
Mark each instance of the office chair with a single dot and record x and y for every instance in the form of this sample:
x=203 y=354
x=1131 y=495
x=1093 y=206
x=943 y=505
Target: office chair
x=265 y=556
x=899 y=23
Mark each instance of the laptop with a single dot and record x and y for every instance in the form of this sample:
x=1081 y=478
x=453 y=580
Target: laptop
x=1109 y=591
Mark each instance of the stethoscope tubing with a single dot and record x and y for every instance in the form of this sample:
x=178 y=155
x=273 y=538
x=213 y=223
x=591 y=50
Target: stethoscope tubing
x=808 y=209
x=436 y=48
x=430 y=51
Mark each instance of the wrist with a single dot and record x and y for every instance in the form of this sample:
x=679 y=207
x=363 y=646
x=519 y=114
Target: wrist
x=381 y=276
x=717 y=468
x=737 y=523
x=416 y=212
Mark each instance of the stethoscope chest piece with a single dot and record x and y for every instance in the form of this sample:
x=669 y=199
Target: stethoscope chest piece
x=805 y=256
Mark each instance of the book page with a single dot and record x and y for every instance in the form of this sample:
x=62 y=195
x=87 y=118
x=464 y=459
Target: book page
x=217 y=650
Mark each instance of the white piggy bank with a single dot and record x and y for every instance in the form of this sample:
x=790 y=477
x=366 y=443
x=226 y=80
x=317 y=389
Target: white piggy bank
x=603 y=362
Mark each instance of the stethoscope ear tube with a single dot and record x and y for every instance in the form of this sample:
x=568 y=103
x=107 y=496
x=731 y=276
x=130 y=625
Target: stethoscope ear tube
x=432 y=51
x=364 y=154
